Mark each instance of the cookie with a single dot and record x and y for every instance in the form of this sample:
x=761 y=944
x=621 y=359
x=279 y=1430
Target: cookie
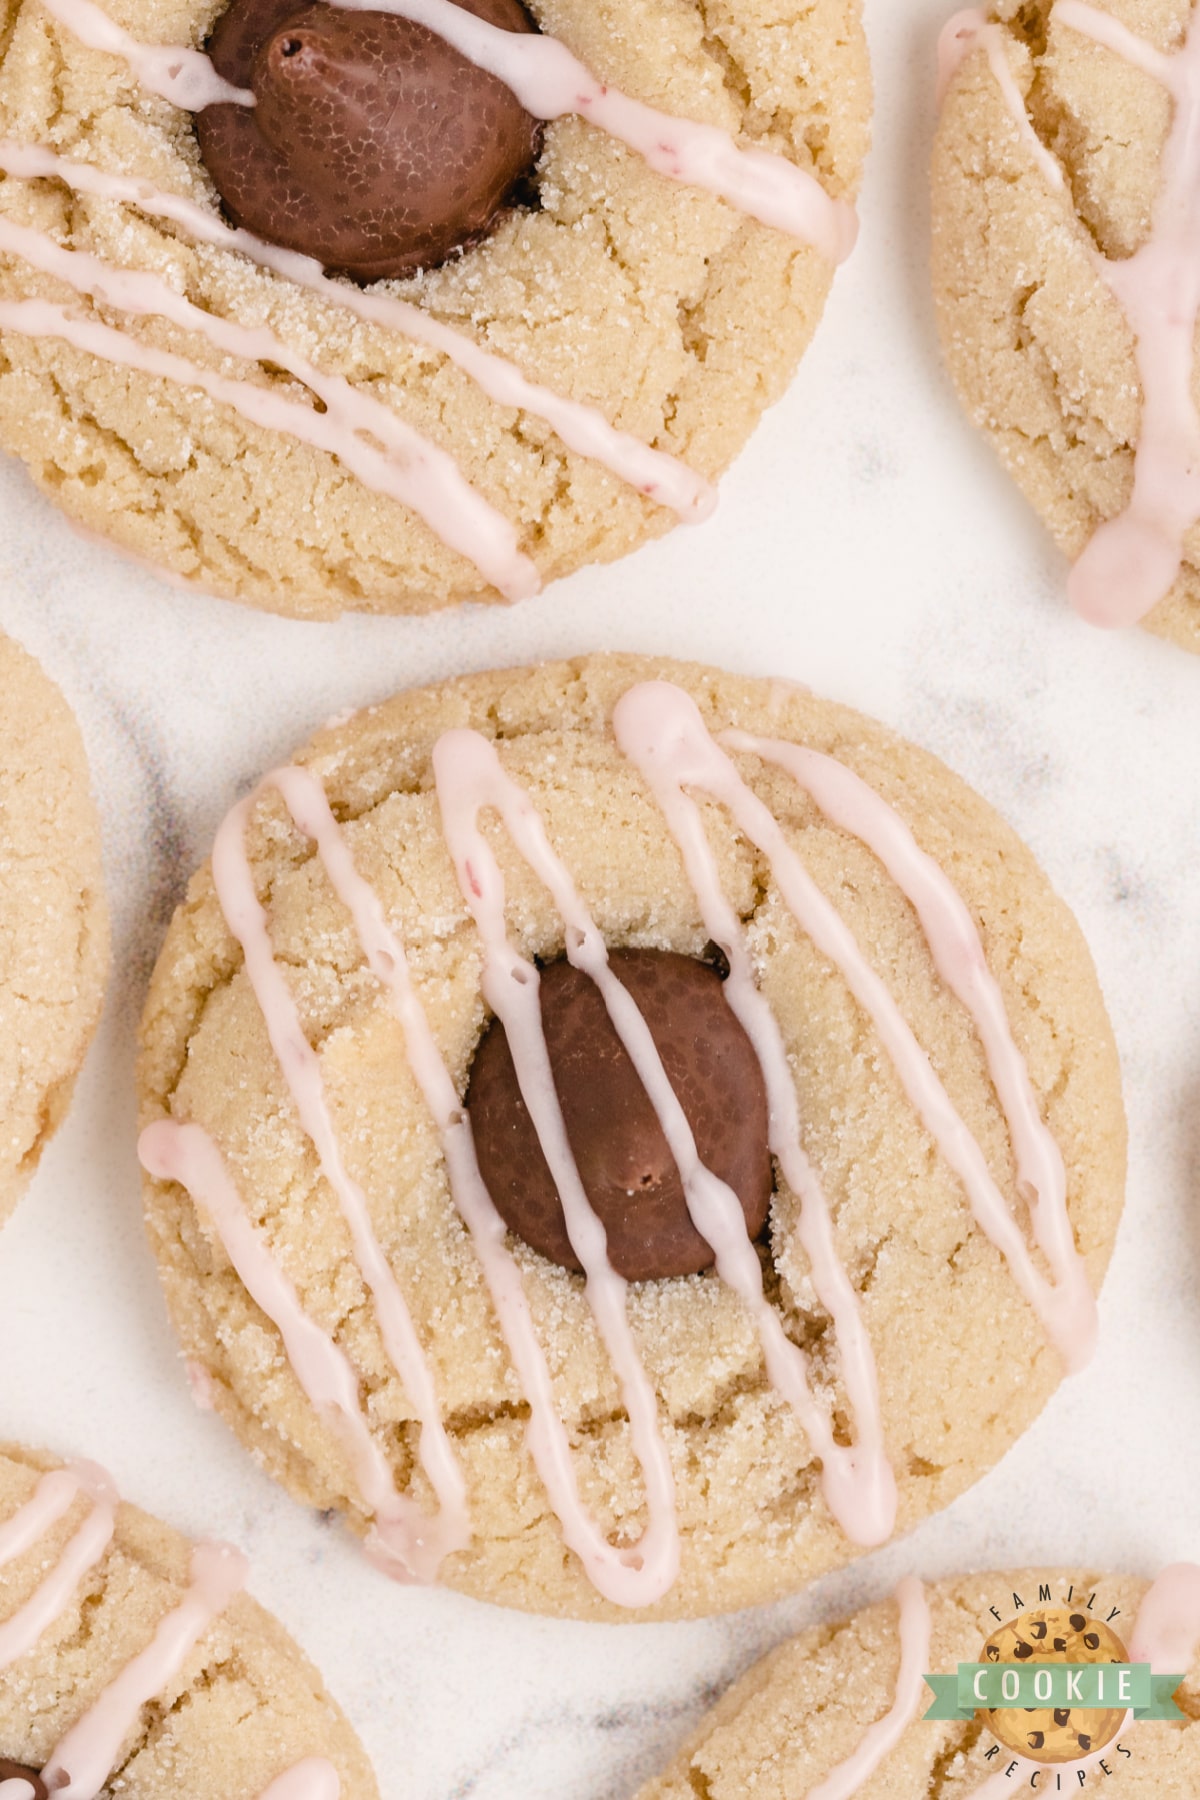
x=131 y=1661
x=395 y=1341
x=839 y=1711
x=638 y=218
x=1067 y=282
x=53 y=915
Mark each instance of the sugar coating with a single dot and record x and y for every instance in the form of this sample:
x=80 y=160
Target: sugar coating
x=53 y=915
x=246 y=1705
x=671 y=312
x=934 y=1293
x=1038 y=347
x=801 y=1711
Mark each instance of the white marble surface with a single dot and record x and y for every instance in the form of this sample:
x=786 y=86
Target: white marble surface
x=865 y=544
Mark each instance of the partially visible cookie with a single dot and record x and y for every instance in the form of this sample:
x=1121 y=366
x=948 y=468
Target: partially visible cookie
x=839 y=1710
x=1064 y=266
x=53 y=915
x=131 y=1663
x=861 y=1007
x=566 y=385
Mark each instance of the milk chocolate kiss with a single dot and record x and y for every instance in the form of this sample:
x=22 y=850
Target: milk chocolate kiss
x=15 y=1771
x=627 y=1170
x=373 y=147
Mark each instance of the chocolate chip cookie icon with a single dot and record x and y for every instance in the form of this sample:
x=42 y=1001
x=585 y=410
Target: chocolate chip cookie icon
x=1055 y=1635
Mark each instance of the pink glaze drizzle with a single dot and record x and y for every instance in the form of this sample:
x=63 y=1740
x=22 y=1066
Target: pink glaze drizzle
x=53 y=1496
x=85 y=1757
x=244 y=914
x=312 y=1779
x=970 y=30
x=82 y=1760
x=623 y=1574
x=201 y=1383
x=660 y=729
x=857 y=1480
x=408 y=468
x=429 y=1541
x=21 y=1632
x=1068 y=1311
x=185 y=77
x=406 y=1542
x=549 y=82
x=469 y=778
x=1166 y=1634
x=583 y=429
x=915 y=1632
x=1133 y=560
x=858 y=1484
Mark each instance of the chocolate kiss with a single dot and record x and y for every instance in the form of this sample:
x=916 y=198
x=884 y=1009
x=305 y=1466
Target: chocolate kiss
x=626 y=1168
x=373 y=146
x=15 y=1771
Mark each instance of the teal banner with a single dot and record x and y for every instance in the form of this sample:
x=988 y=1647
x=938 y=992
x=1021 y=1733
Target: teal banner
x=1024 y=1685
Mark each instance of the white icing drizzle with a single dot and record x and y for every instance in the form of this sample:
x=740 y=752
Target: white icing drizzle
x=659 y=728
x=1166 y=1634
x=583 y=429
x=17 y=1788
x=82 y=1760
x=20 y=1633
x=1133 y=559
x=916 y=1628
x=405 y=1543
x=408 y=468
x=549 y=82
x=185 y=77
x=312 y=1779
x=1068 y=1311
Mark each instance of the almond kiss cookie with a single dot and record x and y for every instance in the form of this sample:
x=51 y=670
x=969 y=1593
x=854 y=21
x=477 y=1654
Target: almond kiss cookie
x=1066 y=264
x=840 y=1710
x=587 y=1111
x=53 y=915
x=132 y=1663
x=394 y=307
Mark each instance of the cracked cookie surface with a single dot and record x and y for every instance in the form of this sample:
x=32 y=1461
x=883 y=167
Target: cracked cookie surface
x=1043 y=196
x=53 y=915
x=933 y=1292
x=244 y=1707
x=676 y=316
x=805 y=1708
